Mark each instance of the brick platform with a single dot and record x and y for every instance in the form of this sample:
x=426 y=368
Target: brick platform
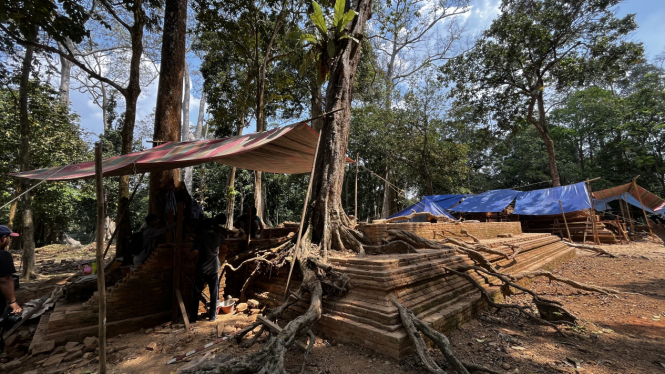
x=365 y=316
x=481 y=230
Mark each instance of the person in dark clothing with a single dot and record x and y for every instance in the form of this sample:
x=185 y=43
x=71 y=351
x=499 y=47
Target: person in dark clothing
x=7 y=270
x=206 y=245
x=150 y=235
x=256 y=224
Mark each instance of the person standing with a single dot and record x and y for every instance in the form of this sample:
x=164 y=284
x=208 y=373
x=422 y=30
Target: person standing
x=206 y=245
x=7 y=270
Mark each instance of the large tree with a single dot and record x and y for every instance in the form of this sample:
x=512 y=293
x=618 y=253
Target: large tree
x=538 y=44
x=169 y=99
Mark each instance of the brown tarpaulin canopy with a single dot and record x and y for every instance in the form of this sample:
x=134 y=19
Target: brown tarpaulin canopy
x=285 y=150
x=649 y=200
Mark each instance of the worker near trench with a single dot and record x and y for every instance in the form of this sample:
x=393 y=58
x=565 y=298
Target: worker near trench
x=7 y=295
x=206 y=246
x=256 y=225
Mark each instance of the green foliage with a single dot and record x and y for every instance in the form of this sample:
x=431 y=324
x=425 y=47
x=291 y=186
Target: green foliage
x=56 y=140
x=325 y=42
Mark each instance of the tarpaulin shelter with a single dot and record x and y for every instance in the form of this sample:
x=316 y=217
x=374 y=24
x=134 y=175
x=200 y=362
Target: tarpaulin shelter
x=601 y=205
x=651 y=201
x=573 y=197
x=434 y=204
x=287 y=150
x=487 y=202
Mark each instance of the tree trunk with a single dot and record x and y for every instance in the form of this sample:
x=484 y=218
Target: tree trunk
x=260 y=126
x=186 y=135
x=189 y=171
x=131 y=94
x=27 y=235
x=329 y=173
x=544 y=133
x=105 y=103
x=199 y=123
x=316 y=104
x=14 y=206
x=169 y=98
x=65 y=74
x=388 y=196
x=230 y=183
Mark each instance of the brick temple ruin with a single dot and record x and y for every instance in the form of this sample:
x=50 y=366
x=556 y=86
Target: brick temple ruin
x=365 y=316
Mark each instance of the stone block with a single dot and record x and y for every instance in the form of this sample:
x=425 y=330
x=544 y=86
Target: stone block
x=90 y=344
x=43 y=346
x=54 y=360
x=73 y=347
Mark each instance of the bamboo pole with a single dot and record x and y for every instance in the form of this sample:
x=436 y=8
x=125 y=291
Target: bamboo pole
x=302 y=219
x=355 y=214
x=101 y=286
x=646 y=219
x=565 y=221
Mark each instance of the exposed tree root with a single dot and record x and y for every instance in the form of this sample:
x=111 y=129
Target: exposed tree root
x=344 y=237
x=591 y=248
x=464 y=232
x=413 y=325
x=415 y=240
x=270 y=358
x=570 y=282
x=462 y=272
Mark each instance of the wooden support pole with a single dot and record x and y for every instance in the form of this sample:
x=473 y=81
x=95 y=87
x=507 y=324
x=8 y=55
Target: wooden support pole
x=302 y=221
x=355 y=214
x=596 y=239
x=623 y=214
x=178 y=306
x=565 y=222
x=630 y=218
x=169 y=221
x=101 y=284
x=646 y=219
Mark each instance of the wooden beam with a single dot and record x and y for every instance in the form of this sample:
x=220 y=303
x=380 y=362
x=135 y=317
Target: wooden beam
x=646 y=219
x=302 y=221
x=276 y=329
x=101 y=284
x=564 y=221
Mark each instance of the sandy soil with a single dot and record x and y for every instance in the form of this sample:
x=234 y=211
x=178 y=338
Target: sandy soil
x=615 y=334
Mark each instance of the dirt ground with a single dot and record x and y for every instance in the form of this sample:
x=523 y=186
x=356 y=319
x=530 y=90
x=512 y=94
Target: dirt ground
x=615 y=334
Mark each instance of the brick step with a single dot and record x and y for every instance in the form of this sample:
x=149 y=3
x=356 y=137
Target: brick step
x=386 y=262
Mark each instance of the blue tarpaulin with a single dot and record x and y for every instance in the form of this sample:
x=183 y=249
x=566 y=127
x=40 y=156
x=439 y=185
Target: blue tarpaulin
x=435 y=204
x=544 y=202
x=490 y=201
x=601 y=205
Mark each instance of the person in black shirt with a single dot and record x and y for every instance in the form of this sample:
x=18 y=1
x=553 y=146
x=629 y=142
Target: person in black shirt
x=7 y=269
x=206 y=245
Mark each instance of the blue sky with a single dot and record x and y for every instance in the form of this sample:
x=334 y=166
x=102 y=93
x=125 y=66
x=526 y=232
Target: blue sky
x=650 y=17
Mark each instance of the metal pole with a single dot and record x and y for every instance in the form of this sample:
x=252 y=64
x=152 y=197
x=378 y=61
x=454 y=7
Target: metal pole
x=646 y=219
x=101 y=285
x=302 y=220
x=565 y=222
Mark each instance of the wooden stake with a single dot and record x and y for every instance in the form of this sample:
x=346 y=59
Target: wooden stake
x=302 y=220
x=356 y=204
x=646 y=219
x=101 y=284
x=565 y=222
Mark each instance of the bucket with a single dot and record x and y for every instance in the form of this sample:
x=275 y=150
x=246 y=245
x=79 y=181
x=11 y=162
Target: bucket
x=226 y=306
